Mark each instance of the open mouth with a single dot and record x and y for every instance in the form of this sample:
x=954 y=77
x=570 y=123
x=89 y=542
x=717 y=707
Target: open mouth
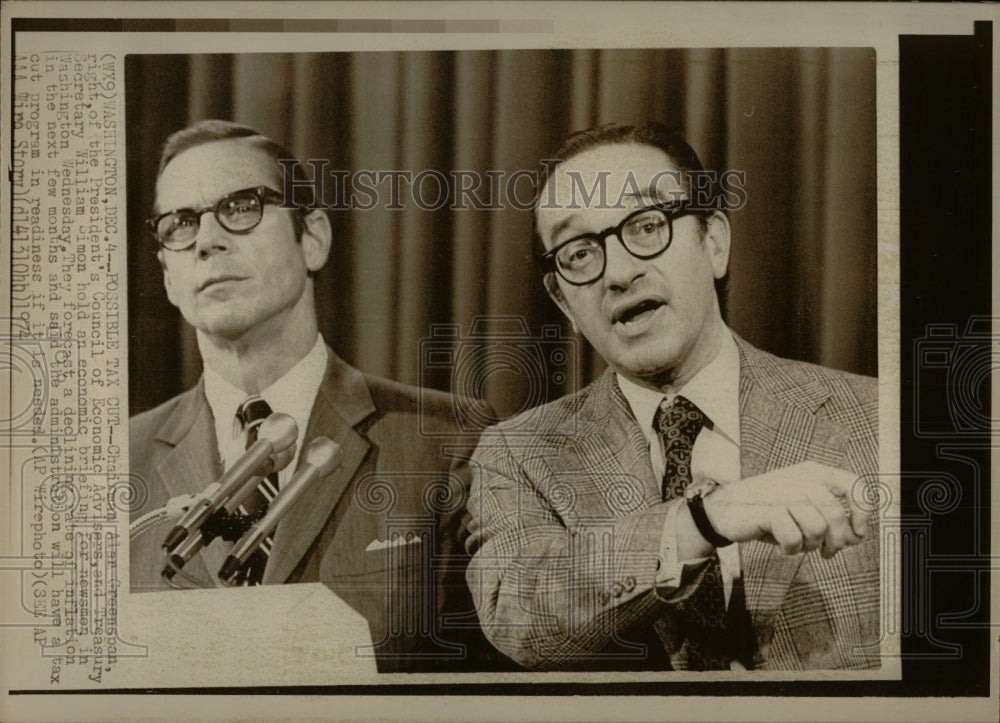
x=640 y=312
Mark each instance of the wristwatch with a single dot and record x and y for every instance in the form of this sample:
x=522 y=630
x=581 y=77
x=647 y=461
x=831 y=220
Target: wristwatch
x=695 y=494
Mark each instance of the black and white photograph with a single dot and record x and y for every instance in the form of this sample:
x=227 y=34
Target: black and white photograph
x=432 y=214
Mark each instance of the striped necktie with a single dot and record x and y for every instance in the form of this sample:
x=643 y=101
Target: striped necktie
x=252 y=413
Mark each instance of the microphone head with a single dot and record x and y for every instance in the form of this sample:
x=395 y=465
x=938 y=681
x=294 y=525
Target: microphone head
x=323 y=454
x=280 y=430
x=281 y=459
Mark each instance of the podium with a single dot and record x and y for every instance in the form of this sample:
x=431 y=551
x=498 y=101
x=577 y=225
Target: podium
x=299 y=634
x=296 y=634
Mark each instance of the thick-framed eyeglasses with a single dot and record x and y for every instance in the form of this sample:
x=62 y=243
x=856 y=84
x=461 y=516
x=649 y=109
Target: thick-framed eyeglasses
x=645 y=233
x=238 y=212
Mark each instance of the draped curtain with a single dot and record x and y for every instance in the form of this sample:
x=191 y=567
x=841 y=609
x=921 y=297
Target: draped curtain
x=404 y=288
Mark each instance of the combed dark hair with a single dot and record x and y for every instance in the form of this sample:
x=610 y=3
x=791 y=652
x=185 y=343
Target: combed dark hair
x=211 y=130
x=656 y=135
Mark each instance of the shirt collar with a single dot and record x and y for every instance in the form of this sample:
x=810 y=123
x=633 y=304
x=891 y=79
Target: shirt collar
x=714 y=389
x=292 y=394
x=224 y=399
x=295 y=392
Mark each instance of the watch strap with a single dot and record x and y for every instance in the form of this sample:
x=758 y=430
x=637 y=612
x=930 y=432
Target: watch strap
x=696 y=505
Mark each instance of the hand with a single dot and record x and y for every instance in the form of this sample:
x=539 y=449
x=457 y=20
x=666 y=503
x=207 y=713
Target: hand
x=800 y=508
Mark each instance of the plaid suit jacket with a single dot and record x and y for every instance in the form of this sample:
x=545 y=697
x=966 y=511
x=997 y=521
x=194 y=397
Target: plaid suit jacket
x=567 y=521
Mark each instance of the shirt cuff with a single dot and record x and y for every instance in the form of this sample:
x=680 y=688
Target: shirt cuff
x=673 y=574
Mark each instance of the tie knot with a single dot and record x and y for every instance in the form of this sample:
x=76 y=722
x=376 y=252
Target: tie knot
x=682 y=418
x=253 y=409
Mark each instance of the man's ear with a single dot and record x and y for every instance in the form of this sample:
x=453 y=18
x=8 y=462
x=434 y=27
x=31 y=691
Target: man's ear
x=717 y=239
x=317 y=236
x=166 y=276
x=556 y=294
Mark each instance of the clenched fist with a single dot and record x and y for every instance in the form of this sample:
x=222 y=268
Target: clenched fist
x=800 y=508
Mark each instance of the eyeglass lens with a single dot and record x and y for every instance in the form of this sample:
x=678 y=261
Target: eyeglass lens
x=644 y=235
x=239 y=211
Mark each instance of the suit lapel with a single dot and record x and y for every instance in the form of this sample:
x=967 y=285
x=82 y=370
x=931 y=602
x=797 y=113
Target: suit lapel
x=191 y=465
x=343 y=400
x=603 y=456
x=779 y=426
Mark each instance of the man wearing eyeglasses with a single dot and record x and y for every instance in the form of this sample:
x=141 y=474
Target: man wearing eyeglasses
x=702 y=505
x=382 y=529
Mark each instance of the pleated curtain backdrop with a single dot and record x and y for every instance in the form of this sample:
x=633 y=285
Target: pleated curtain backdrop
x=799 y=122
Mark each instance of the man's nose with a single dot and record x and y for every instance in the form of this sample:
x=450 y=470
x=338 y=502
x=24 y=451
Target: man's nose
x=621 y=268
x=212 y=238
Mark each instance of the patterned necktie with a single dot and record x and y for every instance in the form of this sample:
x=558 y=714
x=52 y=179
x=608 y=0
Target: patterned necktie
x=252 y=413
x=701 y=626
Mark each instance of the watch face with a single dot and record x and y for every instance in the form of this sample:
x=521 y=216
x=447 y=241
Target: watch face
x=700 y=488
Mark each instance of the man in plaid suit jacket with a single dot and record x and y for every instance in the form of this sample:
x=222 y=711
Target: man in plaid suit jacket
x=581 y=559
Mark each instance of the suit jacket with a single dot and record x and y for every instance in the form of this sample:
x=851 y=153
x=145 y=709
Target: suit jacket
x=567 y=524
x=404 y=471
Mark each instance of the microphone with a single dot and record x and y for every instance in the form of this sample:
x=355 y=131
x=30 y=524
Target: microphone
x=270 y=453
x=319 y=458
x=181 y=554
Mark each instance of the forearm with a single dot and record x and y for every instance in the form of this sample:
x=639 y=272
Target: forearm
x=561 y=598
x=555 y=587
x=690 y=543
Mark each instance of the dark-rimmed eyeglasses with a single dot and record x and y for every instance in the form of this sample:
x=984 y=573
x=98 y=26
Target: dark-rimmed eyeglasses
x=645 y=233
x=238 y=212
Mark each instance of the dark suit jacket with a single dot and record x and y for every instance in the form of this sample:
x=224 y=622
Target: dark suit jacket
x=403 y=470
x=567 y=523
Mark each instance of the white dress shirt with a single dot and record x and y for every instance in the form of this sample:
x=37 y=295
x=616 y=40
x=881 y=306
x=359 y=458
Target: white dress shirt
x=293 y=394
x=716 y=454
